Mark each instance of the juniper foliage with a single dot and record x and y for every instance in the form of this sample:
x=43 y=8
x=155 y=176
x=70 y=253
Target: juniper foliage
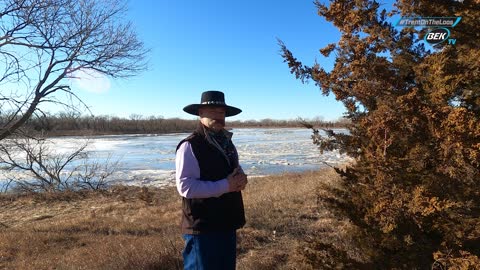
x=415 y=132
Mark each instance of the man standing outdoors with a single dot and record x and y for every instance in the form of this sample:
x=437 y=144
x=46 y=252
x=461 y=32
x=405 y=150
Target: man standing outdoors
x=210 y=179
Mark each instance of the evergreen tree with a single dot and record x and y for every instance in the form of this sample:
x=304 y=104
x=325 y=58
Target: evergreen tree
x=415 y=133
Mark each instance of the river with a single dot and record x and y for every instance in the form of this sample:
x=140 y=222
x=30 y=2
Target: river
x=149 y=160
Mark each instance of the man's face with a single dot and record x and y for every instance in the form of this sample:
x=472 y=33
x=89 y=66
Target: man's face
x=212 y=117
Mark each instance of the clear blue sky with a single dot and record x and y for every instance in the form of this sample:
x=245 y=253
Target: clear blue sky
x=223 y=45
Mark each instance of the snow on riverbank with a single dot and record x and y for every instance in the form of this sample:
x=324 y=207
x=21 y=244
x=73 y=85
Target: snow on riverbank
x=149 y=160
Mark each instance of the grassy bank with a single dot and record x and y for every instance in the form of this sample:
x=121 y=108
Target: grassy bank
x=137 y=228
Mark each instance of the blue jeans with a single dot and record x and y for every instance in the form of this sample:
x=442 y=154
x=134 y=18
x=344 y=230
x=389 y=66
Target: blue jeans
x=210 y=251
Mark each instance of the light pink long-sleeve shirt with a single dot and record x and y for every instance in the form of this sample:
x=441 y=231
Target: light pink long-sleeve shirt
x=187 y=176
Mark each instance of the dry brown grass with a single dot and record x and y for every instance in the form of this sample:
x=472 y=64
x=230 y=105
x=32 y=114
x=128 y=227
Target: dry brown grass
x=137 y=228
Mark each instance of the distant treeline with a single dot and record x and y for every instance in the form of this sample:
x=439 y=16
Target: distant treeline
x=65 y=124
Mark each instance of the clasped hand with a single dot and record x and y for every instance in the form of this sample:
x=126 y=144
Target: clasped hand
x=237 y=180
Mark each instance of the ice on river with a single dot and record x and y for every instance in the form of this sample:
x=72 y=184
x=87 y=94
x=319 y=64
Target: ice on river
x=149 y=160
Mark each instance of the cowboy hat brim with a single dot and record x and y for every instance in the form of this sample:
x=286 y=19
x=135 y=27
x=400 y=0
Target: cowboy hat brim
x=229 y=110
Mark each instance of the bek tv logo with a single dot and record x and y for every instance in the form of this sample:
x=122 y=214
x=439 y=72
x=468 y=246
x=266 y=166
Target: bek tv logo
x=439 y=35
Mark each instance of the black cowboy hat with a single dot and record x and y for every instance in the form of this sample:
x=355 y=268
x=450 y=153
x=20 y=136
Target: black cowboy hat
x=212 y=98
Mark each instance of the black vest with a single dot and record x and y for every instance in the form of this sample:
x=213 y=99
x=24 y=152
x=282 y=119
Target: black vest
x=211 y=214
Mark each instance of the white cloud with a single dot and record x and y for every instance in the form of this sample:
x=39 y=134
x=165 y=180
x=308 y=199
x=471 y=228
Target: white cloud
x=91 y=81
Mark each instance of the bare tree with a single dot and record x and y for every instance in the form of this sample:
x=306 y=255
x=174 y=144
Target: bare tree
x=44 y=42
x=5 y=185
x=45 y=170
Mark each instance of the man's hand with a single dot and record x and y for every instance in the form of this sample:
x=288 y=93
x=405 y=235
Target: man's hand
x=237 y=180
